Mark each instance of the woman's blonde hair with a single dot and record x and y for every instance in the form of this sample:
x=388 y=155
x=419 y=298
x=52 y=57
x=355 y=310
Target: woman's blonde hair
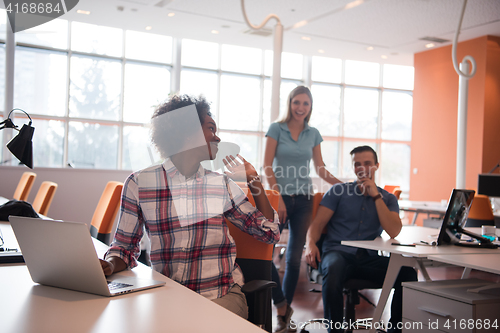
x=297 y=91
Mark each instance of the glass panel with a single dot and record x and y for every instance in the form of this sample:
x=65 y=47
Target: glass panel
x=52 y=34
x=197 y=83
x=347 y=169
x=149 y=47
x=249 y=147
x=200 y=54
x=48 y=143
x=292 y=65
x=326 y=109
x=360 y=113
x=397 y=110
x=138 y=153
x=239 y=103
x=92 y=146
x=40 y=81
x=2 y=76
x=326 y=69
x=285 y=88
x=330 y=152
x=399 y=77
x=268 y=62
x=3 y=24
x=141 y=95
x=95 y=88
x=91 y=38
x=241 y=59
x=395 y=165
x=362 y=73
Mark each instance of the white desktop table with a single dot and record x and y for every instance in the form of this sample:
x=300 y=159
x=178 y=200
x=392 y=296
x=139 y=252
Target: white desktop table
x=410 y=256
x=28 y=307
x=428 y=207
x=490 y=263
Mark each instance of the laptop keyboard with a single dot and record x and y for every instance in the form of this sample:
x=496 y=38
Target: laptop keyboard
x=117 y=285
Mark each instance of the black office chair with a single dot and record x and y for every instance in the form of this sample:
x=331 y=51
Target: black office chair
x=255 y=260
x=351 y=291
x=352 y=295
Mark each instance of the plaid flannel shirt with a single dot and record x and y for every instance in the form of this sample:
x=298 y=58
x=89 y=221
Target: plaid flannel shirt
x=184 y=219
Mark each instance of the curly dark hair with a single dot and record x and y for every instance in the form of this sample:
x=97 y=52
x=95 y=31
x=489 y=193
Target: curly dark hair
x=174 y=102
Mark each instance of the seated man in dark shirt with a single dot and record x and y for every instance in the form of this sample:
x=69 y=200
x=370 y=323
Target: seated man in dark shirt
x=359 y=210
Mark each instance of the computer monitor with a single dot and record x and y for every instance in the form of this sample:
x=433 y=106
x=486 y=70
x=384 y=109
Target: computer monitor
x=454 y=220
x=489 y=184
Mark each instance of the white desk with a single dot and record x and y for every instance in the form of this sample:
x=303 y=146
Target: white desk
x=490 y=263
x=409 y=256
x=28 y=307
x=428 y=207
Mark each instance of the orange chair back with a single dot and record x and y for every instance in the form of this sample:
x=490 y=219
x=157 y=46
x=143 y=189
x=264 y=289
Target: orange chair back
x=391 y=188
x=481 y=208
x=44 y=197
x=248 y=247
x=394 y=189
x=107 y=208
x=24 y=186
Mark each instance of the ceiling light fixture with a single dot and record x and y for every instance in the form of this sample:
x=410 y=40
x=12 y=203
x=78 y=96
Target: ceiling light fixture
x=370 y=48
x=306 y=38
x=84 y=12
x=149 y=27
x=429 y=45
x=353 y=4
x=215 y=32
x=170 y=14
x=383 y=56
x=321 y=51
x=299 y=24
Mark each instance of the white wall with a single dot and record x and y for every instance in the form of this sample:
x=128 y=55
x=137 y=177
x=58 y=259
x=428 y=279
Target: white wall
x=78 y=190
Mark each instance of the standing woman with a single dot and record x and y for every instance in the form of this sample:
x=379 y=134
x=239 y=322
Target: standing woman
x=291 y=143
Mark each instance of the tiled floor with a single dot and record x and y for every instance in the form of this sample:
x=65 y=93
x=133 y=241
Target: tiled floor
x=308 y=305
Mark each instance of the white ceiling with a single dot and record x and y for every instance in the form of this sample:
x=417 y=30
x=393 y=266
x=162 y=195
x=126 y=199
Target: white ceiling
x=392 y=27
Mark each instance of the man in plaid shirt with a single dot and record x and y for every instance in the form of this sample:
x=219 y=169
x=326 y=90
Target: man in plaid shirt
x=182 y=207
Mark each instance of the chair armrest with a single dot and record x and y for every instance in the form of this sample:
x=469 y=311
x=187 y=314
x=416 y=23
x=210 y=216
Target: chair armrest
x=257 y=285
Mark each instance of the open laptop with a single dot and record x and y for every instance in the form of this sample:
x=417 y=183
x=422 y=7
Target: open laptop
x=9 y=250
x=62 y=254
x=454 y=221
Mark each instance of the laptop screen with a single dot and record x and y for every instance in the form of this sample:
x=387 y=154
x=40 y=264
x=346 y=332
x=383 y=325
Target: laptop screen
x=455 y=217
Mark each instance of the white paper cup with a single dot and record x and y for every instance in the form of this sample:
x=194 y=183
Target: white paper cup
x=488 y=230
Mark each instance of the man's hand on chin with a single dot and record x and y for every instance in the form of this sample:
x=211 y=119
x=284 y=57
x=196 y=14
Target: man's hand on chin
x=368 y=186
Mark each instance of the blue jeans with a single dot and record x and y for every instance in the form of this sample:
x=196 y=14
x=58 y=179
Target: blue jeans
x=337 y=267
x=299 y=211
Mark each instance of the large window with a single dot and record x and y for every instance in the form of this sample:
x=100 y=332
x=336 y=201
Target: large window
x=372 y=106
x=91 y=91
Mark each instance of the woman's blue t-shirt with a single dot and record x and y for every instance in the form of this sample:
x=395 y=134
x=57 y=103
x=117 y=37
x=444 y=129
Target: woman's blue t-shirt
x=293 y=158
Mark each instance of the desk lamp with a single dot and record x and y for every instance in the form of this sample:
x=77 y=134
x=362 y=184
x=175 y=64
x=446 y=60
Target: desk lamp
x=21 y=146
